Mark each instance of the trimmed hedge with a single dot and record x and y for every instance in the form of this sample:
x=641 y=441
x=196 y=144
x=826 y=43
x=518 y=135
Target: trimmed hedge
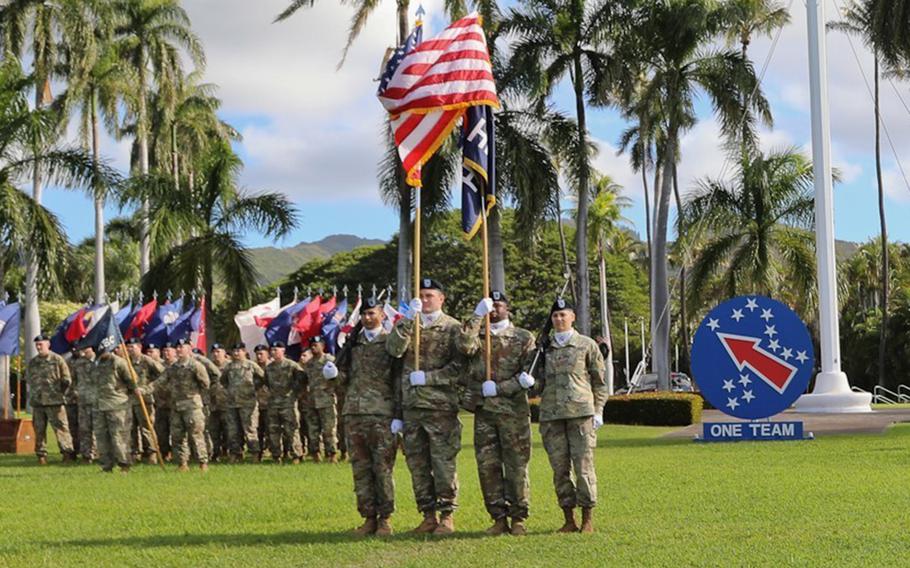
x=654 y=409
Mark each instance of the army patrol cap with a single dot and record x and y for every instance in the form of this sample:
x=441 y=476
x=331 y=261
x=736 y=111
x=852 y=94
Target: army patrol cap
x=261 y=347
x=562 y=304
x=239 y=345
x=278 y=343
x=498 y=296
x=318 y=339
x=430 y=284
x=41 y=337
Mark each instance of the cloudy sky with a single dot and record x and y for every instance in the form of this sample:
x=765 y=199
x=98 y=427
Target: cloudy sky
x=313 y=132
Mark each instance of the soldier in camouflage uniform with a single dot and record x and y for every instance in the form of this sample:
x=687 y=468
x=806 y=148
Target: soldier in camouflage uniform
x=71 y=404
x=573 y=395
x=214 y=374
x=432 y=431
x=48 y=377
x=112 y=419
x=322 y=419
x=167 y=355
x=371 y=405
x=502 y=419
x=262 y=398
x=283 y=377
x=218 y=397
x=239 y=378
x=186 y=379
x=147 y=370
x=82 y=369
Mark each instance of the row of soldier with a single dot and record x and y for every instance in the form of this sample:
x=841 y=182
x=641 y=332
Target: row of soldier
x=380 y=396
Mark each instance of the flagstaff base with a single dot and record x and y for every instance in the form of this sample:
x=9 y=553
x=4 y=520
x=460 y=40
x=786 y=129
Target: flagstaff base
x=17 y=436
x=832 y=394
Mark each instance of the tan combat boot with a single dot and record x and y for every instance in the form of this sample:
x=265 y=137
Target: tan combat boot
x=295 y=461
x=315 y=457
x=587 y=520
x=203 y=467
x=500 y=527
x=124 y=469
x=569 y=526
x=428 y=524
x=446 y=524
x=518 y=527
x=152 y=459
x=383 y=527
x=344 y=456
x=69 y=457
x=332 y=458
x=183 y=467
x=42 y=460
x=367 y=528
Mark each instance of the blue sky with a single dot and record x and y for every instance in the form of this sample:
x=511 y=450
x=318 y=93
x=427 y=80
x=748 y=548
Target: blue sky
x=314 y=133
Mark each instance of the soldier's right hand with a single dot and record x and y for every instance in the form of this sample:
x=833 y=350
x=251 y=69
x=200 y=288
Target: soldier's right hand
x=415 y=306
x=329 y=371
x=397 y=426
x=484 y=307
x=417 y=378
x=526 y=381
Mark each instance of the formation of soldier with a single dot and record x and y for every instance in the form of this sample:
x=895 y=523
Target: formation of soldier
x=377 y=394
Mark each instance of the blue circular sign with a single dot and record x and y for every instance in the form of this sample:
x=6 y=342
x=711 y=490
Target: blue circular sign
x=752 y=357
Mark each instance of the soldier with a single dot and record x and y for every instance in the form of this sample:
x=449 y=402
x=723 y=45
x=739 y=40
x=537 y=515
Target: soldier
x=214 y=374
x=167 y=355
x=147 y=370
x=112 y=419
x=82 y=370
x=284 y=381
x=573 y=395
x=71 y=404
x=219 y=409
x=187 y=380
x=432 y=431
x=322 y=419
x=239 y=378
x=305 y=407
x=502 y=419
x=371 y=407
x=262 y=398
x=48 y=377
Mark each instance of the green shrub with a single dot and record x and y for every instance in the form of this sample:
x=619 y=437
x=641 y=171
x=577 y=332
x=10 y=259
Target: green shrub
x=654 y=409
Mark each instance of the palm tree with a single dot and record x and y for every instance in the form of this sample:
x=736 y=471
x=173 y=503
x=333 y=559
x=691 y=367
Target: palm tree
x=555 y=39
x=217 y=212
x=674 y=38
x=757 y=235
x=859 y=19
x=150 y=35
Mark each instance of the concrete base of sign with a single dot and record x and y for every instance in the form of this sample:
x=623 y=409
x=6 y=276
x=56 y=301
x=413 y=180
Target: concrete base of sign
x=832 y=394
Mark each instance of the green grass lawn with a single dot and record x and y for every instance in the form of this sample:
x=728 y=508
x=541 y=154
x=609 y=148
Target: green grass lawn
x=835 y=501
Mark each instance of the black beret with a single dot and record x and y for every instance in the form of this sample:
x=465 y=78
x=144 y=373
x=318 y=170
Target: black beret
x=240 y=345
x=41 y=337
x=318 y=339
x=562 y=304
x=133 y=341
x=183 y=341
x=217 y=346
x=370 y=302
x=278 y=343
x=168 y=345
x=153 y=346
x=261 y=347
x=430 y=284
x=498 y=296
x=196 y=350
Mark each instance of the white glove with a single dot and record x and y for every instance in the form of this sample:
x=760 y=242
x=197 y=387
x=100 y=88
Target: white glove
x=484 y=307
x=488 y=388
x=397 y=426
x=418 y=378
x=415 y=306
x=329 y=371
x=598 y=421
x=526 y=381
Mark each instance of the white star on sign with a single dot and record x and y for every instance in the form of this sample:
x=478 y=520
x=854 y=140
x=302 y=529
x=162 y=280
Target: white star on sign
x=770 y=331
x=751 y=304
x=737 y=315
x=748 y=396
x=786 y=354
x=766 y=314
x=801 y=356
x=731 y=403
x=774 y=345
x=713 y=324
x=744 y=380
x=728 y=385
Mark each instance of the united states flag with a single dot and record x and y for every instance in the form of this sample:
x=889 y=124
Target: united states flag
x=427 y=85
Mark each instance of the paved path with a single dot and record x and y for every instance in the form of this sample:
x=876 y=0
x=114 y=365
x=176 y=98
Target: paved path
x=874 y=422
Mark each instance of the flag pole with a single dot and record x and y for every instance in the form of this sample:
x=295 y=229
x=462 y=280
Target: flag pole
x=417 y=270
x=145 y=412
x=488 y=342
x=19 y=386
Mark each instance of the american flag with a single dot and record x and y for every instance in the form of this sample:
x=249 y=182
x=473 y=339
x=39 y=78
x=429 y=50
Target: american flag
x=427 y=85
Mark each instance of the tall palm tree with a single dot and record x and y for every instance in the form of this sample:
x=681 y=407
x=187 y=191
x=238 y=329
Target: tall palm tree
x=555 y=39
x=150 y=35
x=757 y=235
x=859 y=20
x=674 y=38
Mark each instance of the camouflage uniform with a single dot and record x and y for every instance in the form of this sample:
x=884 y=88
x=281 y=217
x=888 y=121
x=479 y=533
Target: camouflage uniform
x=48 y=377
x=218 y=418
x=371 y=401
x=262 y=399
x=572 y=390
x=147 y=370
x=432 y=431
x=214 y=375
x=322 y=416
x=284 y=380
x=187 y=381
x=113 y=417
x=502 y=423
x=163 y=415
x=239 y=379
x=71 y=405
x=83 y=382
